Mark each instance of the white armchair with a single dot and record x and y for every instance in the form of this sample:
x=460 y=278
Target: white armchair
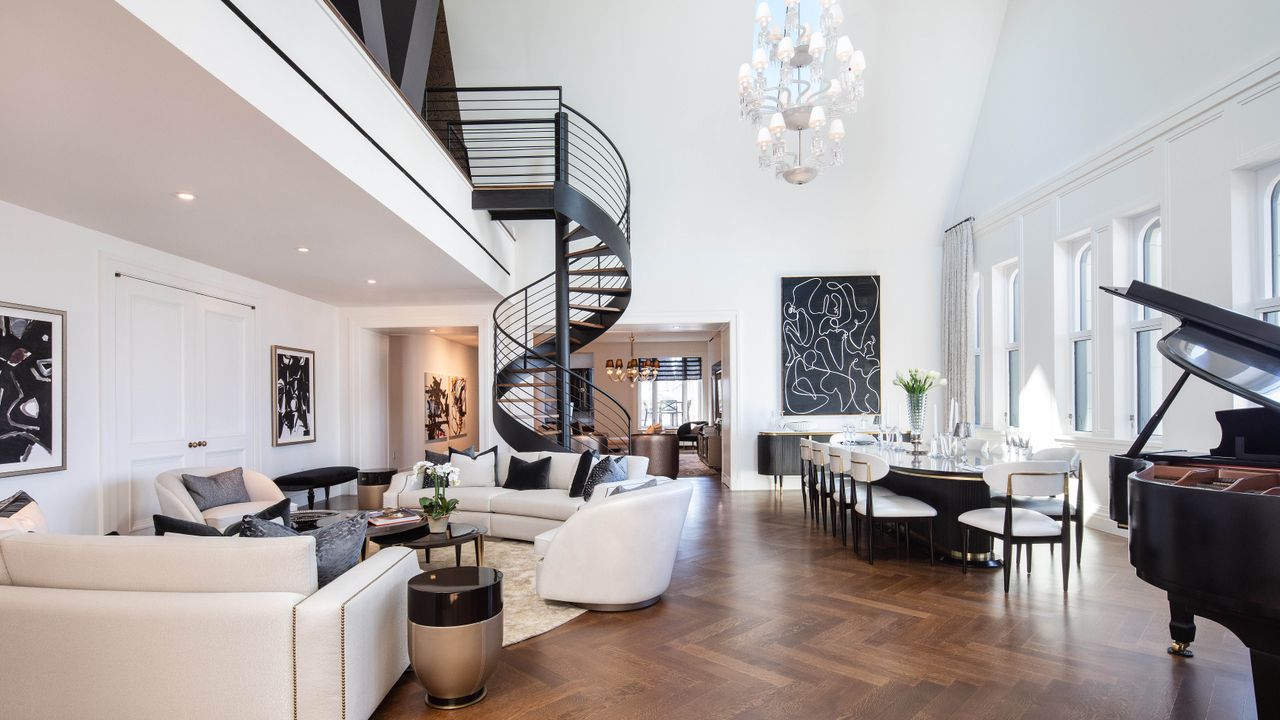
x=618 y=551
x=176 y=502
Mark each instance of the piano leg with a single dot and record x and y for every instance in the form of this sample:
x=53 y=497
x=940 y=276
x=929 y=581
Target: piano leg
x=1182 y=628
x=1266 y=692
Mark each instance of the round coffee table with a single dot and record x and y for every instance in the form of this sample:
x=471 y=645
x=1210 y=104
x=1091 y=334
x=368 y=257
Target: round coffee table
x=385 y=535
x=459 y=534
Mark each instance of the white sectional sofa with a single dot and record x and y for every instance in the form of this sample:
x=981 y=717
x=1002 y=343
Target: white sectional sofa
x=514 y=514
x=162 y=627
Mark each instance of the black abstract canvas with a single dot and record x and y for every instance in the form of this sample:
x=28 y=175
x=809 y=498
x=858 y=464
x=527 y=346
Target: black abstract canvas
x=436 y=407
x=457 y=407
x=32 y=381
x=831 y=345
x=294 y=374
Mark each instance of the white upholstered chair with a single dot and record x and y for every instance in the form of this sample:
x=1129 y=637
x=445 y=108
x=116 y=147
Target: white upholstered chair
x=1020 y=525
x=176 y=502
x=618 y=551
x=885 y=507
x=846 y=492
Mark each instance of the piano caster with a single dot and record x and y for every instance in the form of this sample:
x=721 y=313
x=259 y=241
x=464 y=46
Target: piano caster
x=1180 y=649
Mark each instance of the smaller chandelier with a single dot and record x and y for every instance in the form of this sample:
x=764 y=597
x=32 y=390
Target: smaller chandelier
x=794 y=84
x=634 y=370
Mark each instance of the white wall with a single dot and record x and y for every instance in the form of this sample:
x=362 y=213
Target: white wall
x=711 y=233
x=1196 y=164
x=1072 y=78
x=411 y=357
x=58 y=265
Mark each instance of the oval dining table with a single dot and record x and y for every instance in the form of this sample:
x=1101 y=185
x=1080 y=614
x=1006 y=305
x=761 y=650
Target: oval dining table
x=953 y=486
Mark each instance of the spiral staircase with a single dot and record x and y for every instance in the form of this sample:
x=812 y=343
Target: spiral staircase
x=532 y=157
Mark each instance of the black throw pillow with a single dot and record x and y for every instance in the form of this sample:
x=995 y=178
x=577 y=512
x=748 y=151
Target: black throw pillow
x=436 y=458
x=580 y=475
x=523 y=475
x=337 y=546
x=166 y=525
x=176 y=526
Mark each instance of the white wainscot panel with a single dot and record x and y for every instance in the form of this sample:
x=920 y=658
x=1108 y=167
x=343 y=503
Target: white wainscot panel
x=155 y=359
x=225 y=375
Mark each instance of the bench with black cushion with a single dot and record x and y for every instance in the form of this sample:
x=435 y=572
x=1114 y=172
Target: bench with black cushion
x=310 y=480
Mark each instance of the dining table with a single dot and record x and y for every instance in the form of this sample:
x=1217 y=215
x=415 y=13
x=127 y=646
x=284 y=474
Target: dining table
x=952 y=485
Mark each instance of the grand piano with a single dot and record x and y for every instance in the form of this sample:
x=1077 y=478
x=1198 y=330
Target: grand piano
x=1206 y=527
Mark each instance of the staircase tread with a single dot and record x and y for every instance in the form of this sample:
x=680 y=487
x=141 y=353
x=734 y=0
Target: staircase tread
x=599 y=271
x=601 y=249
x=601 y=290
x=595 y=308
x=584 y=323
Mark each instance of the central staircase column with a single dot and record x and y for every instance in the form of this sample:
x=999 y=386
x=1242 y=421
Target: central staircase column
x=563 y=346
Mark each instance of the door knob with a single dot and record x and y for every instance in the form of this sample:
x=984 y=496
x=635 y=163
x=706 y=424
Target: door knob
x=203 y=443
x=191 y=444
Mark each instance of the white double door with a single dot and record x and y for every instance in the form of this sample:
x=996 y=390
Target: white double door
x=183 y=385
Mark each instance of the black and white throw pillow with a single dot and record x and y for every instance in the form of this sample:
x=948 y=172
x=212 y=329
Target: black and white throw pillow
x=608 y=470
x=585 y=463
x=337 y=546
x=528 y=475
x=224 y=488
x=23 y=510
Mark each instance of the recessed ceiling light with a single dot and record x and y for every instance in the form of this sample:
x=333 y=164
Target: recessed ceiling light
x=675 y=327
x=185 y=196
x=431 y=330
x=304 y=250
x=371 y=281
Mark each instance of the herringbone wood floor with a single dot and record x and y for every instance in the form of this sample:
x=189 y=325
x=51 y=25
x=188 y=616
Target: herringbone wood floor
x=768 y=618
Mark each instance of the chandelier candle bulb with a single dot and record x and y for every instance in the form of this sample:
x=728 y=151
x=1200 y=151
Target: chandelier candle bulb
x=817 y=46
x=763 y=15
x=759 y=60
x=857 y=62
x=844 y=49
x=786 y=50
x=836 y=131
x=817 y=117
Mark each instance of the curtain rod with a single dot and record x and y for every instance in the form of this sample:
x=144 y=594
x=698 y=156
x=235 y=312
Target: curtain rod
x=182 y=289
x=953 y=227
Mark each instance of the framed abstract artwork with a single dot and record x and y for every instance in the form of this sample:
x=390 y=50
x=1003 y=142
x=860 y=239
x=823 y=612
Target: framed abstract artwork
x=33 y=401
x=831 y=345
x=293 y=377
x=457 y=407
x=436 y=406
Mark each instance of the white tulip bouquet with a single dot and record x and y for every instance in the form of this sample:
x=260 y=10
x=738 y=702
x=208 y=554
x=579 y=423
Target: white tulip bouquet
x=918 y=381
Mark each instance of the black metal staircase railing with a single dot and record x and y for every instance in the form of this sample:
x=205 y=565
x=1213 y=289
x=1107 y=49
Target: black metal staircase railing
x=531 y=156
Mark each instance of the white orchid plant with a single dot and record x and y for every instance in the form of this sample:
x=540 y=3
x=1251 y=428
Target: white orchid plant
x=438 y=505
x=918 y=381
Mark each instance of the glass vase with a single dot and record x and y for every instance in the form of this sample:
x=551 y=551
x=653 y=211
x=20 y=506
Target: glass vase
x=915 y=415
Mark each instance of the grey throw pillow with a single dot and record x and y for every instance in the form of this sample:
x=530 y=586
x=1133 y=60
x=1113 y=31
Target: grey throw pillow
x=653 y=482
x=224 y=488
x=337 y=546
x=609 y=469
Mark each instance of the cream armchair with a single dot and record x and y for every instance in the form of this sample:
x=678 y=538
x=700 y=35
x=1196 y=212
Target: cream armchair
x=618 y=551
x=176 y=502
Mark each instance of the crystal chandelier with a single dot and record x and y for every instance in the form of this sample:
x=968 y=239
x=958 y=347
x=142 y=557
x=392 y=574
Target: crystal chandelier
x=794 y=84
x=635 y=370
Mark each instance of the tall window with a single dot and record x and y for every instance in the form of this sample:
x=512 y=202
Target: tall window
x=1146 y=326
x=1081 y=337
x=1268 y=305
x=1013 y=348
x=675 y=397
x=977 y=349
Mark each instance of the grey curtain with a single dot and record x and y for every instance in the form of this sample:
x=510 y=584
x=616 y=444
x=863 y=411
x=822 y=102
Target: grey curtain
x=957 y=355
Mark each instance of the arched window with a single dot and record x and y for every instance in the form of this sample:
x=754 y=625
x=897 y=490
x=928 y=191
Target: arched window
x=1145 y=330
x=1012 y=348
x=1081 y=337
x=1268 y=304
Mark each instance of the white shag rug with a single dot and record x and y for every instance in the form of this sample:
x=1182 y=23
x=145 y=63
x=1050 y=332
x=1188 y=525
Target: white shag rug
x=525 y=614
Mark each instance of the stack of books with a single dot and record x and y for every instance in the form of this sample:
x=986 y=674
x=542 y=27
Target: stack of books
x=382 y=518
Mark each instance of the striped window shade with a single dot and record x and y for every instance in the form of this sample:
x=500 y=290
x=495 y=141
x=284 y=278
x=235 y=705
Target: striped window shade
x=679 y=368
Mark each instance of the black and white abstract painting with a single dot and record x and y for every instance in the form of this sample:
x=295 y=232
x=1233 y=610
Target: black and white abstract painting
x=831 y=345
x=32 y=390
x=294 y=374
x=436 y=407
x=457 y=407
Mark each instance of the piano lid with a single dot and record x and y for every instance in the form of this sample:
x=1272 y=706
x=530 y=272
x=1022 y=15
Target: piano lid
x=1237 y=353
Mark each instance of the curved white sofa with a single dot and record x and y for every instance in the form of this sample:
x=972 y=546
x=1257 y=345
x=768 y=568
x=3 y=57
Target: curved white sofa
x=143 y=627
x=617 y=553
x=176 y=502
x=513 y=514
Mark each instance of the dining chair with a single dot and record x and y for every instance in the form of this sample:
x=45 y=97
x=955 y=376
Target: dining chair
x=819 y=456
x=1016 y=525
x=848 y=493
x=806 y=462
x=879 y=505
x=1050 y=505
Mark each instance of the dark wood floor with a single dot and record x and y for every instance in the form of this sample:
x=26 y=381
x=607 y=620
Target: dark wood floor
x=768 y=618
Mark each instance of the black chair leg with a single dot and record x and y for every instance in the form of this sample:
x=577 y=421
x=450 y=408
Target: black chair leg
x=906 y=532
x=1008 y=547
x=931 y=560
x=871 y=541
x=1030 y=549
x=1079 y=537
x=1066 y=554
x=1018 y=562
x=964 y=554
